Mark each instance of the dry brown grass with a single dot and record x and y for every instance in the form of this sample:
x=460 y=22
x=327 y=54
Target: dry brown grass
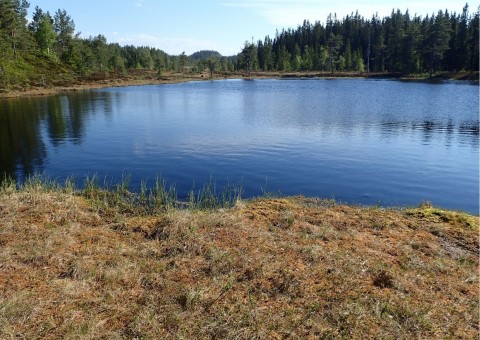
x=130 y=78
x=267 y=268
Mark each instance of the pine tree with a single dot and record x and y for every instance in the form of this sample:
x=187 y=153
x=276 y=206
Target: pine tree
x=296 y=58
x=284 y=59
x=307 y=58
x=36 y=18
x=473 y=43
x=438 y=39
x=249 y=57
x=348 y=56
x=334 y=44
x=212 y=65
x=65 y=29
x=13 y=24
x=182 y=63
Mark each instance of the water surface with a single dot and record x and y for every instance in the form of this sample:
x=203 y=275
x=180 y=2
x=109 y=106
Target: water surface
x=359 y=141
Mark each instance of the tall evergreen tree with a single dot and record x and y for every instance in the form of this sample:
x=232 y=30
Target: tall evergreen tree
x=36 y=18
x=249 y=57
x=13 y=23
x=472 y=43
x=348 y=56
x=65 y=29
x=437 y=41
x=334 y=44
x=212 y=65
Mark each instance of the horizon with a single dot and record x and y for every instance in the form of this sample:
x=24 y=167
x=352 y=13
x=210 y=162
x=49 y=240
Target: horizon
x=218 y=25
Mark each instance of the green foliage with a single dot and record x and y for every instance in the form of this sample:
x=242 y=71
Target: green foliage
x=284 y=59
x=47 y=51
x=65 y=29
x=182 y=63
x=358 y=64
x=7 y=184
x=15 y=72
x=45 y=35
x=248 y=57
x=147 y=200
x=209 y=197
x=145 y=58
x=212 y=65
x=397 y=43
x=115 y=61
x=204 y=54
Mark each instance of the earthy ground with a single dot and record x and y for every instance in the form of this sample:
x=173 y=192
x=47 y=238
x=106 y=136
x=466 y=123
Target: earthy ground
x=148 y=77
x=72 y=266
x=132 y=78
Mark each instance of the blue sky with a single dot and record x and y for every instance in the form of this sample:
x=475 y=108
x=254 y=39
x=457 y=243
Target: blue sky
x=176 y=26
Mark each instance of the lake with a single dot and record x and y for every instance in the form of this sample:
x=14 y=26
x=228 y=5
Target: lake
x=372 y=142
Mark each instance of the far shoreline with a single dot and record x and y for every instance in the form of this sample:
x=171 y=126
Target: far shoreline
x=146 y=77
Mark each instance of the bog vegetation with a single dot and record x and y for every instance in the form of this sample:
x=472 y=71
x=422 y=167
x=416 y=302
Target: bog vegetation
x=49 y=51
x=96 y=263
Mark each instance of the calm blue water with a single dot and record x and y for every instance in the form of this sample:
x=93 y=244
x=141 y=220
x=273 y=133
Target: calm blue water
x=358 y=141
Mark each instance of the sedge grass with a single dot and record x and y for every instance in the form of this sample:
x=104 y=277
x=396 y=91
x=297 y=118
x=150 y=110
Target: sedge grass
x=161 y=196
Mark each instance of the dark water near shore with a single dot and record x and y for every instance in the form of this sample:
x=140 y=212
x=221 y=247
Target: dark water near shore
x=358 y=141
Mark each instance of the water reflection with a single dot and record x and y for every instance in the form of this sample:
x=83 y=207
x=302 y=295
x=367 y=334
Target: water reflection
x=23 y=150
x=21 y=145
x=23 y=121
x=355 y=139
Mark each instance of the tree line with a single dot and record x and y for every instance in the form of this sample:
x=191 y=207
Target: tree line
x=399 y=43
x=48 y=50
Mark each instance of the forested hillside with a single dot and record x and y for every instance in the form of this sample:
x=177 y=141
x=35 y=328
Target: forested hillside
x=399 y=43
x=48 y=51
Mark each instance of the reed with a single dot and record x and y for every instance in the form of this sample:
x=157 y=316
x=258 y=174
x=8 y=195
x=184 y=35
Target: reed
x=7 y=184
x=161 y=196
x=210 y=197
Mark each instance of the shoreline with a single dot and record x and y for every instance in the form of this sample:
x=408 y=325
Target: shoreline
x=92 y=85
x=150 y=78
x=206 y=196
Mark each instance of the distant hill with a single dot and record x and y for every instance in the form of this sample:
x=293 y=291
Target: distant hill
x=204 y=54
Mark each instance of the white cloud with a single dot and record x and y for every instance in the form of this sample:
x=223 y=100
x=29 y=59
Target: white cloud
x=170 y=45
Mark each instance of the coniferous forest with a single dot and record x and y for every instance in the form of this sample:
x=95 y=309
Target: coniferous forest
x=47 y=50
x=399 y=43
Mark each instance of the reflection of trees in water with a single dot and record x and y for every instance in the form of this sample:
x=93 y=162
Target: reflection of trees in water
x=468 y=128
x=22 y=148
x=67 y=114
x=336 y=116
x=57 y=129
x=466 y=131
x=429 y=129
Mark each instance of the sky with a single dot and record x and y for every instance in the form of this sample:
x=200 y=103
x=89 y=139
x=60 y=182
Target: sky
x=177 y=26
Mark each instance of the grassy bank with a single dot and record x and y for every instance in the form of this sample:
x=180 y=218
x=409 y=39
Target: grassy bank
x=93 y=263
x=103 y=80
x=149 y=77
